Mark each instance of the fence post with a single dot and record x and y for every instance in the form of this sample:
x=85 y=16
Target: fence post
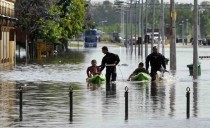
x=20 y=103
x=71 y=103
x=126 y=103
x=188 y=102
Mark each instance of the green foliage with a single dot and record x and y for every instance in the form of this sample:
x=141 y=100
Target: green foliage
x=112 y=28
x=57 y=22
x=183 y=16
x=105 y=11
x=53 y=21
x=66 y=21
x=29 y=13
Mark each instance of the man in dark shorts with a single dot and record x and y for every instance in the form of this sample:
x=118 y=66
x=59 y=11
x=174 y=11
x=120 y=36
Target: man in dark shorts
x=110 y=60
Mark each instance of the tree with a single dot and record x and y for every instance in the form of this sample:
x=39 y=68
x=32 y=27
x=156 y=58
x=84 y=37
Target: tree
x=89 y=22
x=55 y=21
x=204 y=19
x=65 y=21
x=183 y=12
x=28 y=14
x=105 y=11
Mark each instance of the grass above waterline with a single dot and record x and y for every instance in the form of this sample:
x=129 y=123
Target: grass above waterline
x=76 y=44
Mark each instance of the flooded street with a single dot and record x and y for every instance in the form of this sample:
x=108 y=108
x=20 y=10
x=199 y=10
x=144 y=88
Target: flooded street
x=151 y=105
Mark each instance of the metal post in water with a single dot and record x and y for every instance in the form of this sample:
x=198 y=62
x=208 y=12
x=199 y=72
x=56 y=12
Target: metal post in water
x=188 y=101
x=126 y=103
x=71 y=103
x=20 y=103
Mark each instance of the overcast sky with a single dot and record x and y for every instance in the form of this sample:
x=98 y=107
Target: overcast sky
x=179 y=1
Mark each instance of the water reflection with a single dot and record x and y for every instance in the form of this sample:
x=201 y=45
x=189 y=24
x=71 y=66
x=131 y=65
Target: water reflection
x=111 y=90
x=172 y=93
x=93 y=87
x=162 y=95
x=7 y=103
x=195 y=99
x=110 y=102
x=154 y=97
x=158 y=97
x=69 y=57
x=73 y=56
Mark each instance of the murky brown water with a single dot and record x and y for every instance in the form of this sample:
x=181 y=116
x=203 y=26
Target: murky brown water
x=46 y=100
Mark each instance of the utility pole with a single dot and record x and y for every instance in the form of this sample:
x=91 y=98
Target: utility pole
x=171 y=48
x=163 y=28
x=135 y=22
x=187 y=31
x=102 y=27
x=173 y=36
x=139 y=27
x=153 y=23
x=159 y=27
x=195 y=41
x=183 y=32
x=142 y=27
x=146 y=43
x=122 y=21
x=131 y=22
x=126 y=28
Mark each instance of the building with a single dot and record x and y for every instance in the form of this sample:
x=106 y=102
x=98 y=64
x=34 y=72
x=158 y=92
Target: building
x=7 y=33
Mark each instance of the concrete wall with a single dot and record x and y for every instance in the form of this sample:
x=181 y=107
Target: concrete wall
x=7 y=34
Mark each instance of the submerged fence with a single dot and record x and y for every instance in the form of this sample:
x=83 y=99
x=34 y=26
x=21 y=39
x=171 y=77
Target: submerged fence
x=71 y=103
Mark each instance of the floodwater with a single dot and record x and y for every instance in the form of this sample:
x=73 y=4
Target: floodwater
x=155 y=105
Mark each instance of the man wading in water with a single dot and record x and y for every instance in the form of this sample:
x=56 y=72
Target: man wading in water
x=110 y=60
x=157 y=61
